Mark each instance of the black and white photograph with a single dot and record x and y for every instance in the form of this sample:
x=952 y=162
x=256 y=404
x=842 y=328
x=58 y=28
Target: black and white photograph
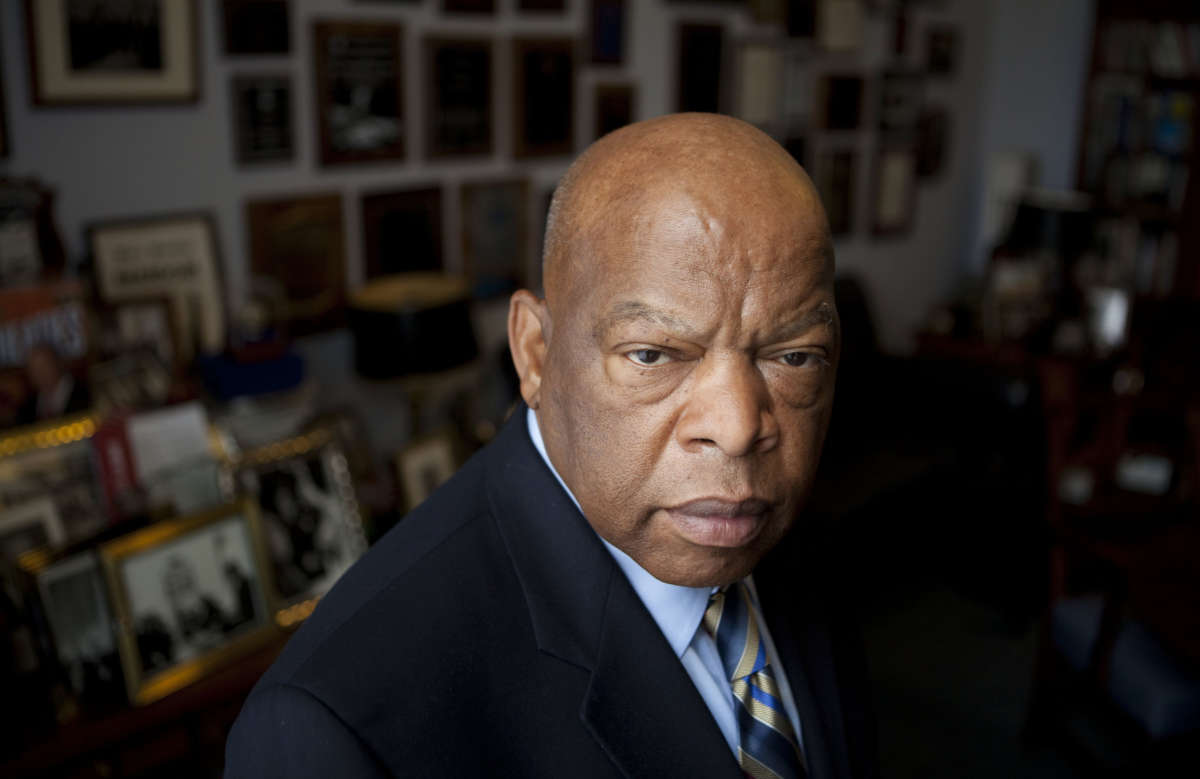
x=311 y=525
x=495 y=216
x=188 y=593
x=27 y=526
x=262 y=111
x=459 y=111
x=76 y=605
x=66 y=477
x=113 y=51
x=360 y=97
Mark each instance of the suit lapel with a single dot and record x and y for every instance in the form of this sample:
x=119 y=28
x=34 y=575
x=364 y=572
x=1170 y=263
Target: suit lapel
x=640 y=705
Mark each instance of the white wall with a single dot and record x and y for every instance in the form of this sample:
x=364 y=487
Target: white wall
x=110 y=163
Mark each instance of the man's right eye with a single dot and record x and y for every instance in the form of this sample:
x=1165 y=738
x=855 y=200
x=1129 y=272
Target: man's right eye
x=648 y=358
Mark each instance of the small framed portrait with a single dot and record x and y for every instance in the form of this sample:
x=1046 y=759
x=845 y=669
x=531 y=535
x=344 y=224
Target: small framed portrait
x=701 y=47
x=139 y=324
x=607 y=32
x=298 y=243
x=894 y=205
x=424 y=466
x=188 y=597
x=75 y=600
x=256 y=27
x=56 y=462
x=614 y=107
x=359 y=91
x=941 y=50
x=402 y=231
x=27 y=526
x=262 y=115
x=310 y=519
x=495 y=220
x=544 y=96
x=173 y=256
x=96 y=51
x=458 y=114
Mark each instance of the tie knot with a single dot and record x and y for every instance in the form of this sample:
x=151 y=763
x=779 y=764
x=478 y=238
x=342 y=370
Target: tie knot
x=730 y=620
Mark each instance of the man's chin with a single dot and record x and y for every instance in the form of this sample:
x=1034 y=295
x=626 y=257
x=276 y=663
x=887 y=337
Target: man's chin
x=704 y=566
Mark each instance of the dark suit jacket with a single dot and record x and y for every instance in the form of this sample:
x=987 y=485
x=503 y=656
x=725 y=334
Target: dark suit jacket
x=490 y=633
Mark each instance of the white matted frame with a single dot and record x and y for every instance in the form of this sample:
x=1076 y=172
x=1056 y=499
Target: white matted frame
x=55 y=81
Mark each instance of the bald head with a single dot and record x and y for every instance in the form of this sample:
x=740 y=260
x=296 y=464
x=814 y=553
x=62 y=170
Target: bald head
x=730 y=166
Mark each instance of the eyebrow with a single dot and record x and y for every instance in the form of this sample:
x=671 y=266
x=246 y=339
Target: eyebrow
x=636 y=311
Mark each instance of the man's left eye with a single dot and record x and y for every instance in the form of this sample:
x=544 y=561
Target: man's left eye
x=799 y=359
x=648 y=357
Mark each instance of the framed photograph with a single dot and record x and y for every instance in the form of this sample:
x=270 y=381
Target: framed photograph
x=298 y=243
x=900 y=94
x=402 y=231
x=172 y=256
x=614 y=107
x=96 y=51
x=495 y=218
x=836 y=174
x=840 y=102
x=458 y=115
x=895 y=200
x=359 y=91
x=134 y=380
x=188 y=596
x=542 y=5
x=469 y=6
x=30 y=246
x=256 y=26
x=75 y=601
x=933 y=137
x=607 y=32
x=27 y=526
x=941 y=50
x=424 y=466
x=760 y=72
x=55 y=461
x=698 y=70
x=54 y=312
x=262 y=116
x=840 y=24
x=310 y=519
x=544 y=96
x=798 y=86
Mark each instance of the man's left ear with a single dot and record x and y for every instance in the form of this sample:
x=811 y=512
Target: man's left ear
x=527 y=319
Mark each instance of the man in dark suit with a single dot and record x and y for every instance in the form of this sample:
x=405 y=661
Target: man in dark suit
x=579 y=600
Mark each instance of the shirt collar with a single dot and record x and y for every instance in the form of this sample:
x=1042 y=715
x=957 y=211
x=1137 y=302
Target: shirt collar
x=677 y=610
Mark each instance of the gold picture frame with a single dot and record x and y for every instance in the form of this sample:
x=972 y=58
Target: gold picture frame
x=172 y=638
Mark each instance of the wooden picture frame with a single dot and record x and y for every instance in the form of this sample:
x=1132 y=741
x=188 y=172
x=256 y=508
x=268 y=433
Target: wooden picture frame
x=544 y=97
x=458 y=111
x=893 y=205
x=359 y=99
x=310 y=518
x=614 y=107
x=402 y=231
x=172 y=255
x=122 y=58
x=495 y=225
x=256 y=27
x=188 y=597
x=262 y=118
x=299 y=243
x=424 y=465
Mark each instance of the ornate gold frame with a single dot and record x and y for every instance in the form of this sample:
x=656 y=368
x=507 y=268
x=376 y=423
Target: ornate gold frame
x=143 y=690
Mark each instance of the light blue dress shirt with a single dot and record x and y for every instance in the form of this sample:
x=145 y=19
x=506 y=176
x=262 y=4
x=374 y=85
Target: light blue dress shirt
x=678 y=612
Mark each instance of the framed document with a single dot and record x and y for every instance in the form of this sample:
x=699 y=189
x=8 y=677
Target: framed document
x=359 y=91
x=836 y=173
x=262 y=111
x=402 y=231
x=607 y=32
x=458 y=114
x=614 y=107
x=171 y=256
x=298 y=243
x=189 y=598
x=256 y=26
x=495 y=218
x=544 y=93
x=895 y=200
x=700 y=49
x=136 y=51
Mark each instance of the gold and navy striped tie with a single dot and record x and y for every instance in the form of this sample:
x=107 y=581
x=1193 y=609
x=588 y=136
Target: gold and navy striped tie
x=768 y=746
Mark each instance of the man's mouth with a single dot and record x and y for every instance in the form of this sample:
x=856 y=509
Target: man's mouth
x=720 y=522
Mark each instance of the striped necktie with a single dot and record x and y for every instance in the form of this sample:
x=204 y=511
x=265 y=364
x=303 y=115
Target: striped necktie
x=768 y=744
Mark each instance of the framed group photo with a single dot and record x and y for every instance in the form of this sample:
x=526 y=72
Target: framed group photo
x=98 y=52
x=309 y=515
x=188 y=598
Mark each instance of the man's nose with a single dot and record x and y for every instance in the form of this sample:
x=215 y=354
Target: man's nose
x=728 y=408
